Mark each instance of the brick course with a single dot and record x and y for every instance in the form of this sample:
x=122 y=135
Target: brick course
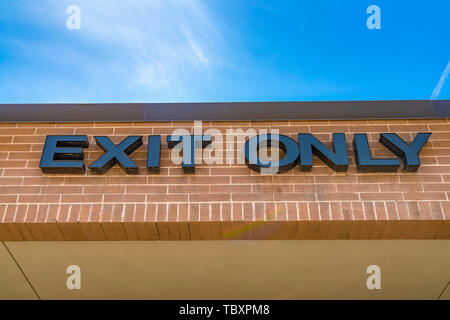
x=223 y=201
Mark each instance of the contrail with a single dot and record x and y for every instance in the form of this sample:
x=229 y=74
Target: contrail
x=438 y=88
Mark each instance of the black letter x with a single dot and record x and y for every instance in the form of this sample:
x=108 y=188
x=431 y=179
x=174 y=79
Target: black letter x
x=116 y=154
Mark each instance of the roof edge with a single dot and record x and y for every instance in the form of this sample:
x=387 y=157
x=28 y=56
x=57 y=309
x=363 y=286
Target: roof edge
x=225 y=111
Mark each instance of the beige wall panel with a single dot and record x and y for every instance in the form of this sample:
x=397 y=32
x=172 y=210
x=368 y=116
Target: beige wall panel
x=410 y=269
x=13 y=284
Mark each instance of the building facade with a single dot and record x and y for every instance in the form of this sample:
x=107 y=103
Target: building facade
x=223 y=200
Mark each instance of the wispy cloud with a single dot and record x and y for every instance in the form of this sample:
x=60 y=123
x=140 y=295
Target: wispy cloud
x=161 y=39
x=154 y=45
x=441 y=82
x=154 y=51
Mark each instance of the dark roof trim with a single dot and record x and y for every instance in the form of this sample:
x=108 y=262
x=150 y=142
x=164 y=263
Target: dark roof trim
x=224 y=111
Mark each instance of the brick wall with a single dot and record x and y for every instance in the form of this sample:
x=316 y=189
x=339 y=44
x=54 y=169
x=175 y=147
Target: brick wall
x=222 y=201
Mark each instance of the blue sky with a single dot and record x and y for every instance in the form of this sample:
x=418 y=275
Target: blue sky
x=216 y=50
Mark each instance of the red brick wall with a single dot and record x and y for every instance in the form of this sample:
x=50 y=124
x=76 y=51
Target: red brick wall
x=222 y=201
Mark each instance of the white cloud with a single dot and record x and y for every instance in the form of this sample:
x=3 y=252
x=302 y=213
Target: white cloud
x=438 y=88
x=153 y=44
